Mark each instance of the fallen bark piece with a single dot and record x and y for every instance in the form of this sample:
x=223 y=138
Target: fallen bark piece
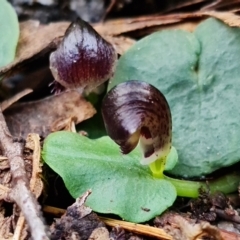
x=35 y=38
x=47 y=115
x=78 y=222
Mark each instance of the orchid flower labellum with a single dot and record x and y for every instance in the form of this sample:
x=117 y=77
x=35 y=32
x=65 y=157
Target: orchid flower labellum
x=136 y=112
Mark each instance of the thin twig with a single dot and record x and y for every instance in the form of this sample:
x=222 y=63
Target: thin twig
x=138 y=228
x=109 y=8
x=19 y=227
x=20 y=191
x=36 y=170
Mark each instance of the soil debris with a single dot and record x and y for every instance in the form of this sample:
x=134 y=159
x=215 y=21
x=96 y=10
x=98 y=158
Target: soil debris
x=79 y=222
x=181 y=227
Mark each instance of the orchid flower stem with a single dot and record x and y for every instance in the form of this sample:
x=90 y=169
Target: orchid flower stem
x=185 y=188
x=157 y=167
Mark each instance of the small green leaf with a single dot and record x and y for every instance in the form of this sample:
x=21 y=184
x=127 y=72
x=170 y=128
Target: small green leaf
x=199 y=74
x=9 y=32
x=119 y=184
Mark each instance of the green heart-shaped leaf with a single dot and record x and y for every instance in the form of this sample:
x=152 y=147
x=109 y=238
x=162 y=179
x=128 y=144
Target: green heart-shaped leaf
x=9 y=32
x=119 y=184
x=199 y=74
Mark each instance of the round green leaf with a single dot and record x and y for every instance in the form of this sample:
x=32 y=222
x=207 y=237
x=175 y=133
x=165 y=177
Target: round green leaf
x=199 y=74
x=119 y=184
x=9 y=32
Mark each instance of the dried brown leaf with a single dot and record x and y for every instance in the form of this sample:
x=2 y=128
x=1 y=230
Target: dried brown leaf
x=35 y=38
x=126 y=25
x=229 y=18
x=67 y=124
x=197 y=231
x=191 y=20
x=181 y=227
x=36 y=185
x=44 y=116
x=148 y=24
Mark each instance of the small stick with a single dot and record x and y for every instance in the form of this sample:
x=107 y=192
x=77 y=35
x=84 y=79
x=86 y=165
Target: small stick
x=35 y=174
x=109 y=8
x=138 y=228
x=19 y=227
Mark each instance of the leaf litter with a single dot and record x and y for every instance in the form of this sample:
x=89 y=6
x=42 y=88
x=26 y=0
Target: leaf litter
x=43 y=128
x=48 y=115
x=13 y=226
x=78 y=221
x=36 y=40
